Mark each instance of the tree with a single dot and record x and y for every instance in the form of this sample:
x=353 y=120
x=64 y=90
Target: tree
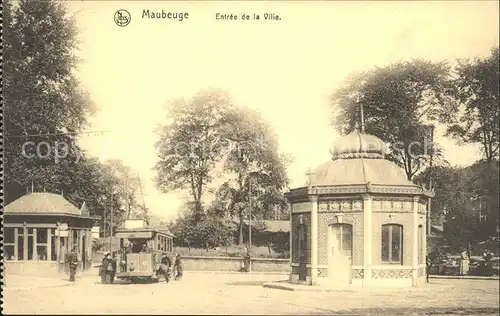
x=254 y=166
x=44 y=105
x=478 y=89
x=98 y=186
x=453 y=200
x=127 y=188
x=485 y=187
x=216 y=232
x=191 y=144
x=210 y=231
x=398 y=101
x=478 y=122
x=460 y=196
x=42 y=94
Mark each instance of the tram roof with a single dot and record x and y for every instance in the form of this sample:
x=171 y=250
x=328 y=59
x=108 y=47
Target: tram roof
x=162 y=231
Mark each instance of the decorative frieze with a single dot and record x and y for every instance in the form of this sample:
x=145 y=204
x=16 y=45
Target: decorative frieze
x=323 y=207
x=388 y=206
x=304 y=192
x=407 y=206
x=340 y=206
x=346 y=206
x=357 y=205
x=422 y=208
x=334 y=206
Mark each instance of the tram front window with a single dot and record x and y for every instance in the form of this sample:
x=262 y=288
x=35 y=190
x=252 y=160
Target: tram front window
x=139 y=245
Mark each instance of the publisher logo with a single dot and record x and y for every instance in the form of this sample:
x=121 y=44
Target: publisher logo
x=122 y=18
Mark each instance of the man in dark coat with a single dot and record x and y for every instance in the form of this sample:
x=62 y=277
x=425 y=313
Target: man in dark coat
x=165 y=265
x=178 y=267
x=112 y=273
x=106 y=268
x=73 y=264
x=428 y=265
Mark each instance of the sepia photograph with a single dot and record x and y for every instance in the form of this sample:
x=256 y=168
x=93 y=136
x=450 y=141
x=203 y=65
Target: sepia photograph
x=250 y=157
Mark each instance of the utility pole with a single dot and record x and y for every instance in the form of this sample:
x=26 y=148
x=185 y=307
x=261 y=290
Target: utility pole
x=127 y=197
x=430 y=182
x=145 y=214
x=250 y=223
x=362 y=115
x=104 y=223
x=111 y=225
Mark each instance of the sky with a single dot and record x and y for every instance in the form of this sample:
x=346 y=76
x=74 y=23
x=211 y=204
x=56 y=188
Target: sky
x=286 y=69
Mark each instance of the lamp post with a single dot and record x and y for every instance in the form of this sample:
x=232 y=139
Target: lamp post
x=250 y=223
x=111 y=219
x=429 y=203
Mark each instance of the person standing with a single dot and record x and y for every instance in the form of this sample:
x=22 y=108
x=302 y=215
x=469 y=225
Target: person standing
x=165 y=265
x=73 y=264
x=178 y=267
x=112 y=273
x=106 y=268
x=428 y=265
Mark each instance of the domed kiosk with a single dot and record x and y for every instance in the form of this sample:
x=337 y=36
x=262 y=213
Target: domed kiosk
x=40 y=229
x=359 y=220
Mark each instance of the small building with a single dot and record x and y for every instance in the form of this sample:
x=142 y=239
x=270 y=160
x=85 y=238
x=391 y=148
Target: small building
x=41 y=228
x=358 y=220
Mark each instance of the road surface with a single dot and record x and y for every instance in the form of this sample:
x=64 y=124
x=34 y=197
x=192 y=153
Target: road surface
x=208 y=293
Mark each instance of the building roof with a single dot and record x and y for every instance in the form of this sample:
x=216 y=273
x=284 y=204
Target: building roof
x=43 y=204
x=359 y=159
x=274 y=226
x=359 y=171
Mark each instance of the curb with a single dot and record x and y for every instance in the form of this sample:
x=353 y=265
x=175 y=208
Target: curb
x=237 y=272
x=278 y=287
x=306 y=288
x=309 y=288
x=463 y=277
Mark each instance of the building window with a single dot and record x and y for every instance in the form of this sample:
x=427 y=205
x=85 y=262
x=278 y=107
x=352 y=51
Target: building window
x=8 y=252
x=20 y=244
x=74 y=240
x=41 y=244
x=392 y=243
x=8 y=235
x=9 y=243
x=53 y=245
x=34 y=245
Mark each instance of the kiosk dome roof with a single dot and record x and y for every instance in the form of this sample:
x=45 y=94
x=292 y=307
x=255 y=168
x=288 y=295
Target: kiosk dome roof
x=42 y=203
x=359 y=158
x=359 y=145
